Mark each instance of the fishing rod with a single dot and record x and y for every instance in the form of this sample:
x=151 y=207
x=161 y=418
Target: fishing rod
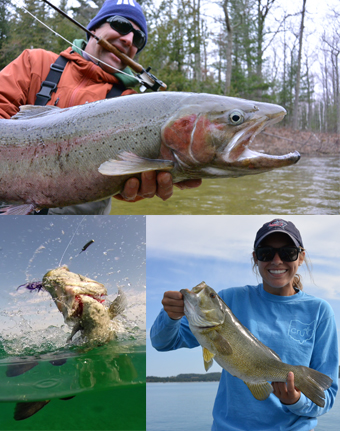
x=71 y=44
x=149 y=81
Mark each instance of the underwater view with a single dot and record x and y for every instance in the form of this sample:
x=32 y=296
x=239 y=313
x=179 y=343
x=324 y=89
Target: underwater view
x=72 y=316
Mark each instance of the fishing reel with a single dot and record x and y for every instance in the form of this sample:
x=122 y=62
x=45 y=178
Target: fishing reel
x=150 y=82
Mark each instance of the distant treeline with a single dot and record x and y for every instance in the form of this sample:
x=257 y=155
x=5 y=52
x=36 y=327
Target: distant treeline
x=209 y=377
x=243 y=48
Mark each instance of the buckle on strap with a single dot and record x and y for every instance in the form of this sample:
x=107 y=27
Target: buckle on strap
x=57 y=67
x=47 y=87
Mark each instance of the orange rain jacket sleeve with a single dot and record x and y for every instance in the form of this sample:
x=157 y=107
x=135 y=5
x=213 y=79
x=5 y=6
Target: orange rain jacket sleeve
x=82 y=81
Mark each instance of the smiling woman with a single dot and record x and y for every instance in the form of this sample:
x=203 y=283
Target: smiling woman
x=298 y=328
x=278 y=253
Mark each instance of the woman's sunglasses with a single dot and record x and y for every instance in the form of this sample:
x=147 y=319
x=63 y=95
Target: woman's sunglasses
x=123 y=26
x=287 y=253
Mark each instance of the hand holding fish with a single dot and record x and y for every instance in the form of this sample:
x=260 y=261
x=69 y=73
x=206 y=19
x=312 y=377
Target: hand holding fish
x=287 y=393
x=153 y=183
x=173 y=304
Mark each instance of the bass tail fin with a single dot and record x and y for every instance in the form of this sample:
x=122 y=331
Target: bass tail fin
x=312 y=383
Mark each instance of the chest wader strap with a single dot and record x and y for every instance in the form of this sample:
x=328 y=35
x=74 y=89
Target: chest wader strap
x=50 y=85
x=51 y=82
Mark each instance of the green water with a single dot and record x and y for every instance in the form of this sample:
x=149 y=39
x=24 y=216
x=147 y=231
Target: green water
x=108 y=385
x=119 y=408
x=309 y=187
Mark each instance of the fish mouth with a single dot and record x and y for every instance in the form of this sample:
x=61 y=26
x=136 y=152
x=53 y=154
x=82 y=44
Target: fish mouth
x=192 y=308
x=239 y=157
x=69 y=290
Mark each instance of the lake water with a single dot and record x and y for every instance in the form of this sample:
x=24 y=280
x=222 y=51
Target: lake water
x=188 y=407
x=107 y=385
x=309 y=187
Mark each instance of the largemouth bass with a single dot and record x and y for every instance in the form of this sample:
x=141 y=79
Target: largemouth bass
x=81 y=301
x=234 y=348
x=51 y=157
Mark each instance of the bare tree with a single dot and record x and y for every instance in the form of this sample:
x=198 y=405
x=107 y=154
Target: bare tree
x=298 y=72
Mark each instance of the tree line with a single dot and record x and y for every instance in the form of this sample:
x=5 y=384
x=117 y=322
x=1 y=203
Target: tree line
x=254 y=49
x=208 y=377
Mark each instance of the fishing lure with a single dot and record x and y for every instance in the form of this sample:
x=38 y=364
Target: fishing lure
x=86 y=245
x=32 y=285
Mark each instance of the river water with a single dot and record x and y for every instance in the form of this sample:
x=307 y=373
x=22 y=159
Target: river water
x=312 y=186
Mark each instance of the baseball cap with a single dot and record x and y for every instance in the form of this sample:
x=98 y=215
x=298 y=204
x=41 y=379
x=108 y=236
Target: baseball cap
x=279 y=225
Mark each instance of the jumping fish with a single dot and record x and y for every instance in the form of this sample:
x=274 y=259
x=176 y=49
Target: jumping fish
x=52 y=157
x=225 y=340
x=81 y=301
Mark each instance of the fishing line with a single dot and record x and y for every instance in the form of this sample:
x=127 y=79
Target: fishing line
x=71 y=240
x=71 y=44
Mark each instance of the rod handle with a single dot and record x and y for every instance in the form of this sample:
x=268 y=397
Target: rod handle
x=125 y=59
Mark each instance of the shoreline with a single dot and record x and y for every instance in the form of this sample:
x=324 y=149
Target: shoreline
x=280 y=140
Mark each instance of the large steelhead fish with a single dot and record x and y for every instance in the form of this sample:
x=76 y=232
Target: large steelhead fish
x=51 y=157
x=234 y=348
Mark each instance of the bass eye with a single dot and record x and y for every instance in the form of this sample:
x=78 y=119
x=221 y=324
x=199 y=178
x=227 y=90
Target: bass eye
x=212 y=295
x=236 y=117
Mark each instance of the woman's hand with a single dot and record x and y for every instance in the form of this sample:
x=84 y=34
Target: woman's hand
x=287 y=393
x=173 y=304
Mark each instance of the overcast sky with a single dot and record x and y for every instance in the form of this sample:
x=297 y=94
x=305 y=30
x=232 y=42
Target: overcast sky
x=182 y=251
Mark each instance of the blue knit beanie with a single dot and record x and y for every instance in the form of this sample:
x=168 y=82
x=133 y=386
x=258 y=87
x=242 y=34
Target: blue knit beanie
x=129 y=9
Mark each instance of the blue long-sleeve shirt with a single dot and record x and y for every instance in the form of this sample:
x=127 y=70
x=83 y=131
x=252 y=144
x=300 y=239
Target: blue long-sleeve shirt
x=299 y=328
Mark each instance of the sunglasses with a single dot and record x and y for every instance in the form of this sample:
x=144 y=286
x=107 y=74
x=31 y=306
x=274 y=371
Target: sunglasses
x=123 y=26
x=287 y=253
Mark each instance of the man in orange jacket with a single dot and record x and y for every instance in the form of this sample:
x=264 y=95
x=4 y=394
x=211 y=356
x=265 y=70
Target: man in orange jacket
x=84 y=79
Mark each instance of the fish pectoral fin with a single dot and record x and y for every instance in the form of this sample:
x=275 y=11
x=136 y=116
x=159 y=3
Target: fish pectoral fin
x=221 y=344
x=208 y=358
x=27 y=112
x=130 y=163
x=24 y=209
x=260 y=391
x=27 y=409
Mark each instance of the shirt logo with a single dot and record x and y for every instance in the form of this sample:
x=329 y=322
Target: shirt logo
x=130 y=2
x=300 y=331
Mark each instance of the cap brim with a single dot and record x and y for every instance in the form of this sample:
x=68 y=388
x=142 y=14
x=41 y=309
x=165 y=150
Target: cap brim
x=275 y=231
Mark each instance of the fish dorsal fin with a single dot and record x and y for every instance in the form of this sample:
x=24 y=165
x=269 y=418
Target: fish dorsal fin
x=276 y=356
x=118 y=305
x=260 y=391
x=27 y=112
x=208 y=358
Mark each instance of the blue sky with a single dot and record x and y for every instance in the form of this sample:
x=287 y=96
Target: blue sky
x=182 y=251
x=31 y=246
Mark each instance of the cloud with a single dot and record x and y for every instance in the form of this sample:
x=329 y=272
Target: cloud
x=232 y=237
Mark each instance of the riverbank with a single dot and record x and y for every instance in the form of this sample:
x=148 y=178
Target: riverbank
x=279 y=140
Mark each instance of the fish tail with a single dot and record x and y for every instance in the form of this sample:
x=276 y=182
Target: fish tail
x=312 y=383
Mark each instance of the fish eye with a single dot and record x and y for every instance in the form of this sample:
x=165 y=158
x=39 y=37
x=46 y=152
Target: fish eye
x=212 y=295
x=236 y=117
